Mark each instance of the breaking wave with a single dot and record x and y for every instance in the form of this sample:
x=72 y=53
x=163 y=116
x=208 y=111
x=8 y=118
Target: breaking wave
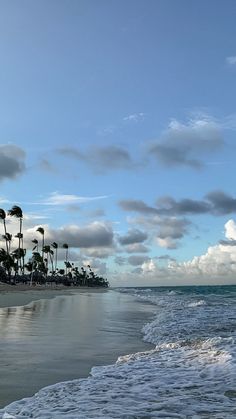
x=190 y=373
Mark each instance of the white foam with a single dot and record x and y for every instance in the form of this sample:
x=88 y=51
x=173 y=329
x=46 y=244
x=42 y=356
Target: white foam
x=197 y=303
x=166 y=382
x=191 y=373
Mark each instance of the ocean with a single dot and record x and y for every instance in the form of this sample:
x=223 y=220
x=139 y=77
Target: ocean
x=188 y=370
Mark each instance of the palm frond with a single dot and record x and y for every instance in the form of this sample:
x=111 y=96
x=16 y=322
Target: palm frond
x=2 y=214
x=15 y=211
x=40 y=230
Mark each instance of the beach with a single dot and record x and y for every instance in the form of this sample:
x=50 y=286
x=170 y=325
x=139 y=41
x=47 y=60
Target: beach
x=187 y=371
x=19 y=295
x=53 y=335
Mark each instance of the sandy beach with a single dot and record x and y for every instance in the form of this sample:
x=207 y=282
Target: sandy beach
x=20 y=295
x=51 y=340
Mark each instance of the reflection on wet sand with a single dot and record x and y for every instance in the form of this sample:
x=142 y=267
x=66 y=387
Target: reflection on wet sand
x=59 y=339
x=16 y=320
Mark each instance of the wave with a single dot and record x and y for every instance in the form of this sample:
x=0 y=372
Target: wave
x=165 y=382
x=189 y=373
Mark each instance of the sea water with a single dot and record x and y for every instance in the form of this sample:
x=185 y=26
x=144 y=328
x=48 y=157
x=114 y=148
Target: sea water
x=189 y=373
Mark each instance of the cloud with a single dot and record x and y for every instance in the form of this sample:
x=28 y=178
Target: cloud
x=136 y=260
x=228 y=242
x=215 y=203
x=167 y=205
x=170 y=231
x=167 y=242
x=135 y=117
x=231 y=60
x=46 y=166
x=173 y=227
x=185 y=144
x=96 y=234
x=72 y=152
x=137 y=206
x=133 y=236
x=73 y=208
x=4 y=201
x=93 y=235
x=221 y=203
x=101 y=159
x=230 y=234
x=165 y=231
x=97 y=266
x=230 y=230
x=119 y=260
x=216 y=266
x=99 y=253
x=11 y=161
x=56 y=198
x=165 y=258
x=136 y=248
x=109 y=158
x=99 y=212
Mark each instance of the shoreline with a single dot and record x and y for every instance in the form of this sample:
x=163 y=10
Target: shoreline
x=21 y=295
x=103 y=337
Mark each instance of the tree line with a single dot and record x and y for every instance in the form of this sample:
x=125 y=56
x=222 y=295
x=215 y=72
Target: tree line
x=42 y=266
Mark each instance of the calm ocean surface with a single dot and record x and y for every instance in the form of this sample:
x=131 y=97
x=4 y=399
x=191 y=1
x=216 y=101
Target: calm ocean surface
x=187 y=371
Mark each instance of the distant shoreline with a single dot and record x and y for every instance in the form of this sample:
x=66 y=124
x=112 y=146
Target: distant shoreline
x=20 y=295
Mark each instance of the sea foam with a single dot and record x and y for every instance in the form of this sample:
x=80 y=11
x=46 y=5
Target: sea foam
x=190 y=373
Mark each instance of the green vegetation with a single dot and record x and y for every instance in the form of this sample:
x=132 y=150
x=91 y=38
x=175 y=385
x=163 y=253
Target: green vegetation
x=41 y=267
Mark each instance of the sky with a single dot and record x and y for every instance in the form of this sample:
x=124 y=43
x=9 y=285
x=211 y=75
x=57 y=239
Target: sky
x=117 y=134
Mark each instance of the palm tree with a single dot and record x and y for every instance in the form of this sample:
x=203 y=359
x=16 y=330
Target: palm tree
x=36 y=243
x=8 y=238
x=39 y=269
x=55 y=246
x=38 y=262
x=7 y=261
x=84 y=276
x=65 y=246
x=3 y=218
x=41 y=231
x=46 y=249
x=30 y=267
x=16 y=211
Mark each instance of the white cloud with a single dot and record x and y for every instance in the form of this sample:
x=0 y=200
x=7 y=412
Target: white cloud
x=230 y=230
x=167 y=242
x=135 y=117
x=66 y=199
x=216 y=266
x=4 y=201
x=184 y=144
x=148 y=267
x=231 y=60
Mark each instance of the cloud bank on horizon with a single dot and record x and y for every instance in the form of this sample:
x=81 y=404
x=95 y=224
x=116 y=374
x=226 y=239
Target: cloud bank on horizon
x=121 y=142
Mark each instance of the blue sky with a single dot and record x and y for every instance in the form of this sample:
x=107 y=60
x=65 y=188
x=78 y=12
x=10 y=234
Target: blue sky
x=117 y=127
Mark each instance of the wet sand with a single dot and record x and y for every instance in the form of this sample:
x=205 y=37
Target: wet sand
x=57 y=339
x=19 y=295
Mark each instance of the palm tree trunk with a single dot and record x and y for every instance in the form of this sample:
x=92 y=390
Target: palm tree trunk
x=66 y=260
x=42 y=245
x=5 y=230
x=56 y=260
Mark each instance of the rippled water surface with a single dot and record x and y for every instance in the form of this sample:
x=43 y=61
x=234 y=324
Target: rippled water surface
x=63 y=338
x=189 y=372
